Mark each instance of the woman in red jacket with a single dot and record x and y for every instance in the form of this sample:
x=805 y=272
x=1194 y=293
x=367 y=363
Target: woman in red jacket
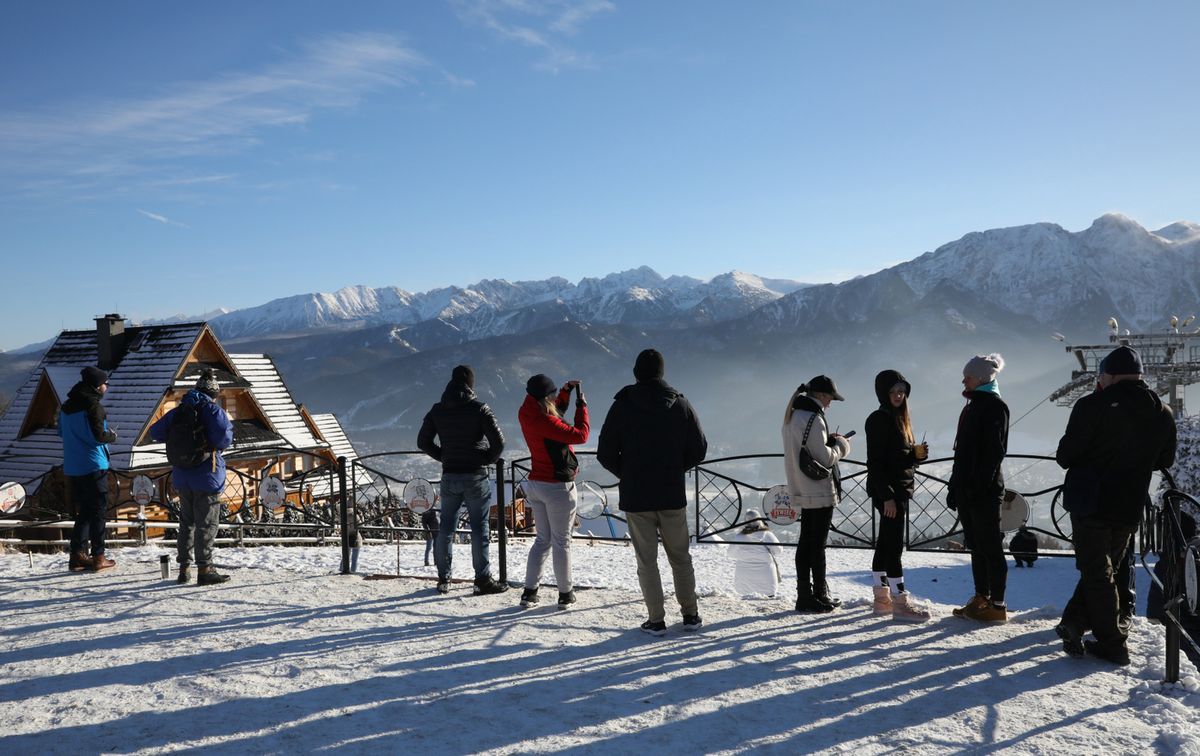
x=550 y=488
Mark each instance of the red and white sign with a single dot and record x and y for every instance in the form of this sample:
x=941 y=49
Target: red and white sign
x=419 y=495
x=143 y=490
x=777 y=503
x=272 y=493
x=12 y=498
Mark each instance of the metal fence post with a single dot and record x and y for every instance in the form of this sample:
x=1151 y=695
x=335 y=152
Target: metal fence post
x=501 y=521
x=345 y=519
x=1173 y=594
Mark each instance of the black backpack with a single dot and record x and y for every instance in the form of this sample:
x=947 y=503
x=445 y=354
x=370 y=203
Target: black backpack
x=187 y=440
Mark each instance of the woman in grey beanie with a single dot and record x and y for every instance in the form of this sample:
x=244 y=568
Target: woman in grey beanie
x=976 y=487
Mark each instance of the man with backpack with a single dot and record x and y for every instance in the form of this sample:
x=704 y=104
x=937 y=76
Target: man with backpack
x=195 y=432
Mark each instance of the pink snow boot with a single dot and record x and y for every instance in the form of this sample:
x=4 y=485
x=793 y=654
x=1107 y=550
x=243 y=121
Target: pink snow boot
x=883 y=600
x=905 y=610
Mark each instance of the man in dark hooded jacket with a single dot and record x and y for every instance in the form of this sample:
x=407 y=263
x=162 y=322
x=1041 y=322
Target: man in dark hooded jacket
x=470 y=443
x=650 y=438
x=1115 y=439
x=86 y=436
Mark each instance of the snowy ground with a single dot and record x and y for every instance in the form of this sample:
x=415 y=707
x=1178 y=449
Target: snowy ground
x=289 y=657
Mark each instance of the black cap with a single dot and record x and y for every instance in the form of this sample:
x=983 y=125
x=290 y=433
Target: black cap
x=463 y=374
x=649 y=365
x=540 y=386
x=93 y=376
x=824 y=384
x=1122 y=361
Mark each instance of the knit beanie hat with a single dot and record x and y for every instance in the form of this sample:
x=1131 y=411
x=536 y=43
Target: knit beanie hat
x=984 y=367
x=463 y=374
x=540 y=386
x=649 y=365
x=207 y=383
x=1122 y=361
x=93 y=376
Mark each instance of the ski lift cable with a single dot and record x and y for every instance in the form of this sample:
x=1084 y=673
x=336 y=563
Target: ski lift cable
x=1019 y=419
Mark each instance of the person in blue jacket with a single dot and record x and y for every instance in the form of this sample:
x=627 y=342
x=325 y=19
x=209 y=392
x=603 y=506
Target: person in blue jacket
x=199 y=486
x=85 y=435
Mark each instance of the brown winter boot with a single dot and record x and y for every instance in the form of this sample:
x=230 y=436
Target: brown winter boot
x=101 y=562
x=79 y=561
x=882 y=603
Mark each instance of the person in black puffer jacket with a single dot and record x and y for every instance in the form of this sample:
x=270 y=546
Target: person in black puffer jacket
x=471 y=442
x=892 y=456
x=1115 y=439
x=649 y=439
x=976 y=487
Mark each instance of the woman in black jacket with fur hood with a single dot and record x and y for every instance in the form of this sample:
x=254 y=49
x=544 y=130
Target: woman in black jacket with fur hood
x=892 y=457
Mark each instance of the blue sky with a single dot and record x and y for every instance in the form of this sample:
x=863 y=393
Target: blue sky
x=161 y=158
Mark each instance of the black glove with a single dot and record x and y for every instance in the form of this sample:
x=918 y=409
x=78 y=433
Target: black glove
x=110 y=436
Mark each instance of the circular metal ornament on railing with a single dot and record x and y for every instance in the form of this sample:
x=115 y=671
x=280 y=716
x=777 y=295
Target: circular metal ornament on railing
x=1014 y=511
x=593 y=501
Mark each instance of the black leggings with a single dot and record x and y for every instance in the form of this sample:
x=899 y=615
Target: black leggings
x=889 y=542
x=810 y=548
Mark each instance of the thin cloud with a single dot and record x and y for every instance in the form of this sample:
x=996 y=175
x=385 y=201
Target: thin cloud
x=136 y=138
x=541 y=24
x=162 y=219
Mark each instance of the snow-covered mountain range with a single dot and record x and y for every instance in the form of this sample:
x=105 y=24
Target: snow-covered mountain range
x=495 y=307
x=1042 y=272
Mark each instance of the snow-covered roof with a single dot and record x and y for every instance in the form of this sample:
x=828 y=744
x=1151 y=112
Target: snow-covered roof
x=135 y=388
x=331 y=430
x=152 y=367
x=269 y=390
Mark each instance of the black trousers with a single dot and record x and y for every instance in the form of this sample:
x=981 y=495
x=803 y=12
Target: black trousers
x=1100 y=547
x=810 y=548
x=89 y=493
x=889 y=541
x=980 y=519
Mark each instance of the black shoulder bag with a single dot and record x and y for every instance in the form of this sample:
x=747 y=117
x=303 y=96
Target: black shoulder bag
x=808 y=465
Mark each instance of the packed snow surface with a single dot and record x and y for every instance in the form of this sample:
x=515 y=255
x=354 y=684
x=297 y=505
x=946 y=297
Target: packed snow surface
x=291 y=657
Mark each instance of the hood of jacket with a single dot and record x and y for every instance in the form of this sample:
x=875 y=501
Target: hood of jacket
x=196 y=397
x=80 y=397
x=883 y=384
x=808 y=404
x=457 y=394
x=651 y=395
x=1136 y=392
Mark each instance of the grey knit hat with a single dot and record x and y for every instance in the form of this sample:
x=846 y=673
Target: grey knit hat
x=207 y=383
x=984 y=367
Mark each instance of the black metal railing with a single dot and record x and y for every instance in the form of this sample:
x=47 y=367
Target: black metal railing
x=1162 y=534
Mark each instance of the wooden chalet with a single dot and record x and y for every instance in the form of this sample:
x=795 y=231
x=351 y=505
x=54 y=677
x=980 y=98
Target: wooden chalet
x=150 y=369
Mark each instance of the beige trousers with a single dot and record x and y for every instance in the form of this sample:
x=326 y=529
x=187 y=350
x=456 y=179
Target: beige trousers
x=645 y=528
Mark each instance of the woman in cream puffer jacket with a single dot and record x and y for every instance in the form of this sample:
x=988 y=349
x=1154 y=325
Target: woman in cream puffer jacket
x=815 y=499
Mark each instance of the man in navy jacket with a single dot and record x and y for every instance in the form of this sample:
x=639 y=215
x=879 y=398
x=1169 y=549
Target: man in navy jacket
x=199 y=487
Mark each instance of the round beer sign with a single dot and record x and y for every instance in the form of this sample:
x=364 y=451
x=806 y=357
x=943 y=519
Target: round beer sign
x=419 y=495
x=777 y=504
x=272 y=493
x=143 y=490
x=12 y=498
